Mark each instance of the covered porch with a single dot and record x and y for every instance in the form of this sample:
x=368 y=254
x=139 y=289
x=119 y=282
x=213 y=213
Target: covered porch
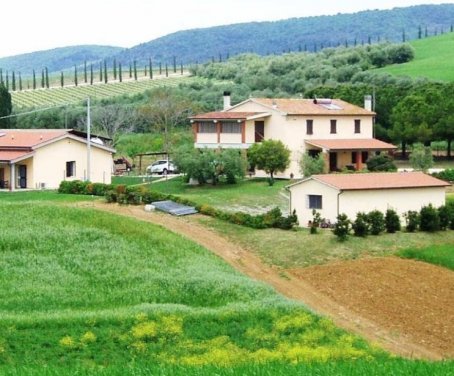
x=351 y=154
x=15 y=170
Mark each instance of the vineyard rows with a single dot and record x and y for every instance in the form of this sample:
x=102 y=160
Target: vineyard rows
x=72 y=94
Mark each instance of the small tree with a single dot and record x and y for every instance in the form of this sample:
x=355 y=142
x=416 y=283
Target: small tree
x=411 y=220
x=312 y=165
x=316 y=220
x=381 y=162
x=376 y=222
x=429 y=219
x=392 y=221
x=342 y=227
x=271 y=156
x=421 y=157
x=361 y=225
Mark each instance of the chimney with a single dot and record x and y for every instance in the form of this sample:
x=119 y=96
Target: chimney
x=368 y=102
x=227 y=103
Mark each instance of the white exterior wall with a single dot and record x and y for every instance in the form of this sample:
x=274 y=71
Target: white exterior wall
x=291 y=130
x=49 y=163
x=352 y=202
x=400 y=200
x=299 y=201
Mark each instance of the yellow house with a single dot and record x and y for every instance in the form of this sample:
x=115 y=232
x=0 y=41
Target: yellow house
x=334 y=194
x=340 y=130
x=42 y=158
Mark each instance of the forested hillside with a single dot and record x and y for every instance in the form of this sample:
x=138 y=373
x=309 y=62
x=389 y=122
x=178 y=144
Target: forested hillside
x=56 y=59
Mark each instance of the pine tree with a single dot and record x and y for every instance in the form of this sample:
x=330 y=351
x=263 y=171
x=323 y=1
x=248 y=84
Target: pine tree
x=13 y=82
x=105 y=71
x=85 y=71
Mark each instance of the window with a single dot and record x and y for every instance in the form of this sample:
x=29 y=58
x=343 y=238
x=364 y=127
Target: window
x=207 y=127
x=314 y=201
x=333 y=126
x=309 y=126
x=357 y=126
x=70 y=169
x=231 y=127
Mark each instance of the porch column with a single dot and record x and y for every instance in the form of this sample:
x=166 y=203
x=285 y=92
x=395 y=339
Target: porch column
x=359 y=165
x=12 y=177
x=325 y=154
x=218 y=131
x=243 y=132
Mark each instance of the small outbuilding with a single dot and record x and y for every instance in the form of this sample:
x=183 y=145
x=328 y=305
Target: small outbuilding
x=335 y=194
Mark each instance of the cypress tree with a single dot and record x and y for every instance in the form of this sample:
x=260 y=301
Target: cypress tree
x=115 y=69
x=7 y=80
x=43 y=80
x=145 y=71
x=76 y=82
x=160 y=68
x=85 y=71
x=13 y=81
x=167 y=71
x=47 y=77
x=120 y=76
x=34 y=80
x=1 y=76
x=151 y=70
x=20 y=81
x=135 y=70
x=452 y=28
x=62 y=79
x=419 y=32
x=426 y=33
x=105 y=71
x=220 y=58
x=91 y=74
x=181 y=68
x=130 y=70
x=369 y=40
x=100 y=71
x=174 y=64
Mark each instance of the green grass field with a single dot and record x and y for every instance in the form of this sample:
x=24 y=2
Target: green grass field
x=442 y=255
x=434 y=59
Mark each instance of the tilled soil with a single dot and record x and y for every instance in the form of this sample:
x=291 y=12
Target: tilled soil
x=406 y=306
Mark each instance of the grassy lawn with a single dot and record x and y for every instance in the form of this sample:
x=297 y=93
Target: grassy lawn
x=442 y=255
x=298 y=248
x=133 y=180
x=251 y=195
x=45 y=196
x=82 y=289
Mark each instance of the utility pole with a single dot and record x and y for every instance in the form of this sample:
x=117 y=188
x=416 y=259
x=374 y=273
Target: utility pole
x=88 y=141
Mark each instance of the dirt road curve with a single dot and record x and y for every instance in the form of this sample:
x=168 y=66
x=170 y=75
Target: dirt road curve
x=392 y=302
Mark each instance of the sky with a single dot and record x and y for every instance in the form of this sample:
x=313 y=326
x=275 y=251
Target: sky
x=30 y=25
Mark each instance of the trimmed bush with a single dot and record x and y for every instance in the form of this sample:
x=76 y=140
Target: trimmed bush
x=445 y=217
x=342 y=227
x=412 y=220
x=361 y=225
x=429 y=219
x=392 y=221
x=376 y=222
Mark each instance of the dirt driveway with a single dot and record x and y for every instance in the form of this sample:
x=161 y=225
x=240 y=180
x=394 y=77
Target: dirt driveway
x=407 y=307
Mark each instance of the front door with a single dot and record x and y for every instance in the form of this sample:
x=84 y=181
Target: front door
x=332 y=161
x=259 y=131
x=22 y=176
x=2 y=178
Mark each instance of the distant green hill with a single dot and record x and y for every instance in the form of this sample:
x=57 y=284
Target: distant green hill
x=434 y=59
x=56 y=59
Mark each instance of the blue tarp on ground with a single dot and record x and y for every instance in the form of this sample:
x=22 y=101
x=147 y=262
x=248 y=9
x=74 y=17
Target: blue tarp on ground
x=174 y=208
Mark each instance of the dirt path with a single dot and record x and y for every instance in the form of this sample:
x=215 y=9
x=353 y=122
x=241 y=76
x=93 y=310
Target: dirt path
x=321 y=298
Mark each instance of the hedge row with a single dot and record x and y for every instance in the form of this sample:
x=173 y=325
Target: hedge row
x=447 y=175
x=137 y=195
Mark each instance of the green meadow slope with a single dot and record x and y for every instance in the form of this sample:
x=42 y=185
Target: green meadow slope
x=434 y=59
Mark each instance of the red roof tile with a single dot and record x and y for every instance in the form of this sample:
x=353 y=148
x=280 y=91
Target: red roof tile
x=226 y=115
x=352 y=144
x=382 y=180
x=295 y=106
x=11 y=155
x=28 y=138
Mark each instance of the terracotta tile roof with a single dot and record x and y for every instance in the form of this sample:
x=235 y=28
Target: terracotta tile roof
x=28 y=138
x=308 y=107
x=352 y=144
x=11 y=155
x=382 y=180
x=226 y=115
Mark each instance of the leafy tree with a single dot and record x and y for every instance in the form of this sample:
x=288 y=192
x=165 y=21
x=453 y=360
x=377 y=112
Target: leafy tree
x=271 y=156
x=312 y=165
x=6 y=106
x=342 y=227
x=444 y=123
x=421 y=157
x=392 y=221
x=381 y=162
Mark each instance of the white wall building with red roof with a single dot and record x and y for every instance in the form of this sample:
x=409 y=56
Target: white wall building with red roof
x=42 y=158
x=334 y=194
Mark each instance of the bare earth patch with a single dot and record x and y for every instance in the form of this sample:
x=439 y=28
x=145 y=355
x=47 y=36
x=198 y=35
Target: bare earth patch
x=405 y=306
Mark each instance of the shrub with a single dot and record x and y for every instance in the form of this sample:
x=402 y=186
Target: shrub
x=412 y=220
x=376 y=222
x=342 y=227
x=444 y=216
x=447 y=175
x=429 y=219
x=316 y=220
x=392 y=221
x=361 y=225
x=381 y=162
